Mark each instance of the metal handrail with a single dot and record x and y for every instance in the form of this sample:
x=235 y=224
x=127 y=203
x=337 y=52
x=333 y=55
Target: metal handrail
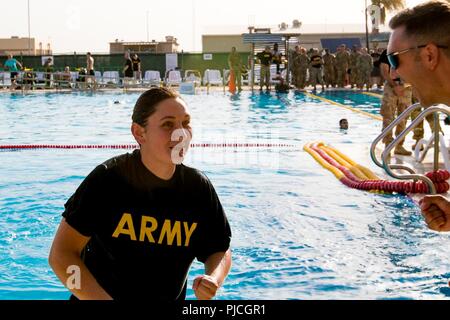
x=388 y=129
x=386 y=153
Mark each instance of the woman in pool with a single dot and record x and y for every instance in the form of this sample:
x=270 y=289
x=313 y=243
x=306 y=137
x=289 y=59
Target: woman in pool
x=136 y=223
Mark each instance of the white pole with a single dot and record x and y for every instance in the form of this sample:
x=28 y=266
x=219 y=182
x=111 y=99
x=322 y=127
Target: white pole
x=147 y=27
x=29 y=30
x=193 y=25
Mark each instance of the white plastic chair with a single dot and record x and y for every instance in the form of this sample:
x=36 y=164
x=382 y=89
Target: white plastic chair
x=193 y=76
x=74 y=76
x=111 y=77
x=98 y=76
x=5 y=79
x=173 y=78
x=212 y=77
x=41 y=80
x=152 y=77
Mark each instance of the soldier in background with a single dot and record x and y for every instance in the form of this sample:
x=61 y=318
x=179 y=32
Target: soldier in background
x=292 y=56
x=353 y=73
x=315 y=69
x=329 y=66
x=342 y=65
x=364 y=65
x=265 y=57
x=397 y=96
x=375 y=75
x=301 y=64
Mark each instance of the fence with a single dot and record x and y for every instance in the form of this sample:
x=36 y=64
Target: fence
x=116 y=62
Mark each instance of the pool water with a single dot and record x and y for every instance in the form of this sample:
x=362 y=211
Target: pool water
x=298 y=233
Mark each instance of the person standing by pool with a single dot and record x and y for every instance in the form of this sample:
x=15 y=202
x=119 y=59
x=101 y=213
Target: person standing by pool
x=329 y=66
x=235 y=64
x=375 y=75
x=48 y=69
x=265 y=57
x=277 y=57
x=397 y=96
x=301 y=64
x=315 y=70
x=136 y=223
x=136 y=67
x=353 y=72
x=13 y=66
x=342 y=64
x=90 y=72
x=128 y=68
x=364 y=65
x=419 y=52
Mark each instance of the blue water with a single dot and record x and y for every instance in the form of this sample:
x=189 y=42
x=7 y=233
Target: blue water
x=298 y=233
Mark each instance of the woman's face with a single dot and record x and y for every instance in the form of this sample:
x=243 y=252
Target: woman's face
x=167 y=131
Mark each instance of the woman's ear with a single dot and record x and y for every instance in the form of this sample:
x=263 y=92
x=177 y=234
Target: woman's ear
x=138 y=133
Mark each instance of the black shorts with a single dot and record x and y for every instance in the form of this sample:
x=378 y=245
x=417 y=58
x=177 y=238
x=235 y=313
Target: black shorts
x=14 y=75
x=91 y=72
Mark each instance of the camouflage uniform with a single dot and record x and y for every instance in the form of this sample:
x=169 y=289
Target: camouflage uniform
x=364 y=65
x=391 y=107
x=354 y=71
x=300 y=65
x=419 y=131
x=292 y=57
x=329 y=65
x=342 y=63
x=315 y=69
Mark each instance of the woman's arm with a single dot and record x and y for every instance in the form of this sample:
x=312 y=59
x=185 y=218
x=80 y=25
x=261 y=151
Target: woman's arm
x=217 y=267
x=65 y=252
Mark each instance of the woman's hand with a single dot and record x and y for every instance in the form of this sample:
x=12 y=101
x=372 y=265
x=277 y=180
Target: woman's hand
x=205 y=287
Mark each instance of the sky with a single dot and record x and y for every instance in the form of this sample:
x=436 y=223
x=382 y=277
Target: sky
x=89 y=25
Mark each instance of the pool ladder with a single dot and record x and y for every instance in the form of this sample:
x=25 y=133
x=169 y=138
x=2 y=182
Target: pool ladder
x=437 y=142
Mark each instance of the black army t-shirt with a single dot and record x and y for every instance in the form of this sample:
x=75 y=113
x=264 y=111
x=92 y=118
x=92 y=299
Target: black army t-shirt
x=265 y=58
x=136 y=63
x=145 y=232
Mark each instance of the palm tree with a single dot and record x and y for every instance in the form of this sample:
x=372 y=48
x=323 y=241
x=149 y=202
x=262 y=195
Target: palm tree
x=388 y=6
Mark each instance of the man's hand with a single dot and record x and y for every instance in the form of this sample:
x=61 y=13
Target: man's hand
x=205 y=287
x=436 y=211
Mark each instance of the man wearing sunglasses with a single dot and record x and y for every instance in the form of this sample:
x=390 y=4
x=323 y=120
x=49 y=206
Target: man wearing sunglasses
x=419 y=52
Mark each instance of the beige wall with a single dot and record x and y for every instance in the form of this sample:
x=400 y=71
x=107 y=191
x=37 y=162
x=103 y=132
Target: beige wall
x=223 y=43
x=158 y=47
x=17 y=46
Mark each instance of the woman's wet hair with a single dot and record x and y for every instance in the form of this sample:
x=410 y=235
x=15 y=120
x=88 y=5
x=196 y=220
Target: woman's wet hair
x=146 y=104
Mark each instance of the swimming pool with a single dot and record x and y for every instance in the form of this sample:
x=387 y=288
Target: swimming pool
x=298 y=233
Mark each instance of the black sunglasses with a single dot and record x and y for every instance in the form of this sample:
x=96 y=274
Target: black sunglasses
x=393 y=56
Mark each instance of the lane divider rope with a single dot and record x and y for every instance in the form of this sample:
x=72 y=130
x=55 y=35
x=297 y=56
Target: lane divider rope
x=135 y=146
x=373 y=116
